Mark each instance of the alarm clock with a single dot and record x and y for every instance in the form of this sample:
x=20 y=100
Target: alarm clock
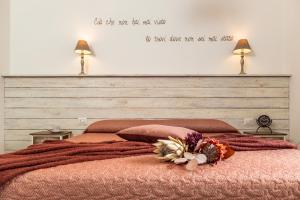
x=264 y=121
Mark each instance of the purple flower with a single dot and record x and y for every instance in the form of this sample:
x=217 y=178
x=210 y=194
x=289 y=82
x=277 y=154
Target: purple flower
x=192 y=140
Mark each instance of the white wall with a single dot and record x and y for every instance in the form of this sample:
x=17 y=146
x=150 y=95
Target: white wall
x=44 y=33
x=4 y=57
x=292 y=41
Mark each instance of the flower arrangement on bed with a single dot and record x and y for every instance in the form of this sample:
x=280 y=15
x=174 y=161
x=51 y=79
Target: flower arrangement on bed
x=194 y=150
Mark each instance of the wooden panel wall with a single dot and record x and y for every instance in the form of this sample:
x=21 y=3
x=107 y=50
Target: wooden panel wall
x=1 y=115
x=39 y=103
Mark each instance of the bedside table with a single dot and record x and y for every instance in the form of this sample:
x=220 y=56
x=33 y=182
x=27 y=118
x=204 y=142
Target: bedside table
x=40 y=137
x=274 y=135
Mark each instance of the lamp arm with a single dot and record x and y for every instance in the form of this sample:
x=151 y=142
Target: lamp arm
x=82 y=64
x=242 y=64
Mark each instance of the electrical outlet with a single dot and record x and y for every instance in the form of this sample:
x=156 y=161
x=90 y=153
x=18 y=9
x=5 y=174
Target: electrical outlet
x=82 y=120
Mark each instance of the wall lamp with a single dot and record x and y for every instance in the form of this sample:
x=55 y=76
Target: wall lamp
x=82 y=48
x=242 y=48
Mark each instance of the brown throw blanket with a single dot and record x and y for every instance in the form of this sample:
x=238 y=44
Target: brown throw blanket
x=51 y=154
x=249 y=143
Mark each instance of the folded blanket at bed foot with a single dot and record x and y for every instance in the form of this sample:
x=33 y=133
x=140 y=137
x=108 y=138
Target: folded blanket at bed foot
x=55 y=153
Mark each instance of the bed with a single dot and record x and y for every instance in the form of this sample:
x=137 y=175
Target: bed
x=271 y=174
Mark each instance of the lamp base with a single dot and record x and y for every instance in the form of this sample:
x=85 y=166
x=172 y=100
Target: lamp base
x=242 y=65
x=82 y=66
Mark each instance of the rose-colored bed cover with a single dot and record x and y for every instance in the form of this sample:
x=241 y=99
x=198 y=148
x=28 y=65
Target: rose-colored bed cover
x=271 y=174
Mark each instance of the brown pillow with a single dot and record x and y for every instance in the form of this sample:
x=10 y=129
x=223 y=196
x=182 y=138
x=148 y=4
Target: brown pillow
x=199 y=125
x=151 y=133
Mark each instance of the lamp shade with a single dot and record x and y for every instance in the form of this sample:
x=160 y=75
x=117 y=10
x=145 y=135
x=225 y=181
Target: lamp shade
x=242 y=47
x=82 y=47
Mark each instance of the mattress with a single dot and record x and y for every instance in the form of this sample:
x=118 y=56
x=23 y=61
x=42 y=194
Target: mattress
x=246 y=175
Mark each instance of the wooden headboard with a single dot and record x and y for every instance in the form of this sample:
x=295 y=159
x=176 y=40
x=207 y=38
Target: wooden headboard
x=38 y=102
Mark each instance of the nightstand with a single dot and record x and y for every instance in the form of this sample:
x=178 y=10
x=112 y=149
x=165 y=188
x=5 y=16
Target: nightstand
x=274 y=135
x=40 y=137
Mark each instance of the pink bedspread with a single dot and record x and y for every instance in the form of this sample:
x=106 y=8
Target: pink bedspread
x=247 y=175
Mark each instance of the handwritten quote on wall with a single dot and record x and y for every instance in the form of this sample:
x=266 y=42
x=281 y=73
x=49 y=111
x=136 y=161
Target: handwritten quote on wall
x=172 y=38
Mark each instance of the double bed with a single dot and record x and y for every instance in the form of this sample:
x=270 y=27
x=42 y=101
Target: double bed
x=268 y=174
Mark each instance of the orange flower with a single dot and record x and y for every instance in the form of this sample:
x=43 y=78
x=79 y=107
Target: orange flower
x=215 y=151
